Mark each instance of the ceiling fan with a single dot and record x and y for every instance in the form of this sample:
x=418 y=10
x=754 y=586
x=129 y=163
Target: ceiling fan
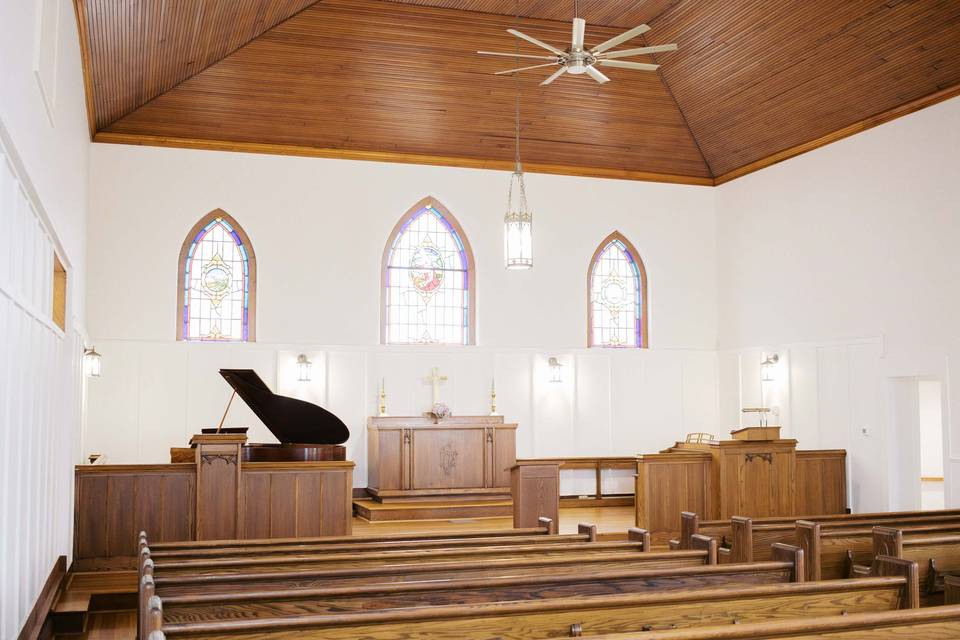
x=578 y=60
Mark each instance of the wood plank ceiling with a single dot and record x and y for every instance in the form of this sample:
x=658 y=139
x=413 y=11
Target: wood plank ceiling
x=751 y=84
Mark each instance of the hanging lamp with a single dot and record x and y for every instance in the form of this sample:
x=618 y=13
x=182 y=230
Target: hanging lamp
x=518 y=223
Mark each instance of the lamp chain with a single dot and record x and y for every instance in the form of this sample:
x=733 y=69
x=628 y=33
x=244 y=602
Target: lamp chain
x=516 y=78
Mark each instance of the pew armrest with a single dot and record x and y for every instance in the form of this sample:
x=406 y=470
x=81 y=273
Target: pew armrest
x=723 y=555
x=705 y=543
x=636 y=534
x=794 y=555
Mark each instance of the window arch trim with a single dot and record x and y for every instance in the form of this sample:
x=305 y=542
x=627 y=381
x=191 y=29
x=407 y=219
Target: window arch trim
x=454 y=225
x=247 y=246
x=616 y=236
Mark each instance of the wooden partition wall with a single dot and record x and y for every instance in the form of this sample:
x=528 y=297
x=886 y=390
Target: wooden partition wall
x=113 y=503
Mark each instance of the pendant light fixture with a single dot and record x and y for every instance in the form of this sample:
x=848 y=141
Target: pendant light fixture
x=518 y=223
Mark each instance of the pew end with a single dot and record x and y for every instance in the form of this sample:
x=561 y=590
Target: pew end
x=705 y=543
x=548 y=524
x=794 y=555
x=589 y=530
x=741 y=549
x=808 y=538
x=886 y=566
x=636 y=534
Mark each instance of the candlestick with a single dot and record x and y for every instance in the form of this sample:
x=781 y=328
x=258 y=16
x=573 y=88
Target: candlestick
x=493 y=397
x=383 y=396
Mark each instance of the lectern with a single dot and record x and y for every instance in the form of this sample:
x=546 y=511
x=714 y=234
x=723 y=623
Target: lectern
x=536 y=493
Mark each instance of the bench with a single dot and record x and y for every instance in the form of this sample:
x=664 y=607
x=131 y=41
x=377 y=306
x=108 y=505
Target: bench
x=536 y=619
x=937 y=556
x=912 y=624
x=765 y=531
x=545 y=533
x=280 y=602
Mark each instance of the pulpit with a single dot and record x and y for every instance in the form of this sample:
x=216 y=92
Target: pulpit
x=756 y=474
x=458 y=458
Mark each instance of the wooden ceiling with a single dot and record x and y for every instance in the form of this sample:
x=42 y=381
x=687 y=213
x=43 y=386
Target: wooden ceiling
x=751 y=84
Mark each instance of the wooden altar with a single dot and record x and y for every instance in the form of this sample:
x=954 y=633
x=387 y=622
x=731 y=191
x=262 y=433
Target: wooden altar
x=756 y=474
x=463 y=457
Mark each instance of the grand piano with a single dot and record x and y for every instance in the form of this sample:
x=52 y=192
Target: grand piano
x=307 y=432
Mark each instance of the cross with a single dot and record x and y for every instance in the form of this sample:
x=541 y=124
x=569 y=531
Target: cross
x=435 y=379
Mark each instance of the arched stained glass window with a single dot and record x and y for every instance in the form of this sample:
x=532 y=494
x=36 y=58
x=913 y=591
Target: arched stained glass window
x=217 y=282
x=617 y=284
x=428 y=279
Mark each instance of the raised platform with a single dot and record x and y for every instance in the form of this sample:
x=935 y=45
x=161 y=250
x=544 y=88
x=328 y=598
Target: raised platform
x=431 y=509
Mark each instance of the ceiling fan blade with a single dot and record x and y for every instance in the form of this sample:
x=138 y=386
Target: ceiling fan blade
x=536 y=66
x=533 y=40
x=623 y=37
x=596 y=75
x=556 y=75
x=642 y=66
x=516 y=55
x=639 y=52
x=579 y=28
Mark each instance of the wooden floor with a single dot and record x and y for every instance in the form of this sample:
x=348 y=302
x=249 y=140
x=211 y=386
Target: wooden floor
x=609 y=520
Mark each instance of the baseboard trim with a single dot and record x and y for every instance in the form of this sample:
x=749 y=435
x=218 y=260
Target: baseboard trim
x=36 y=622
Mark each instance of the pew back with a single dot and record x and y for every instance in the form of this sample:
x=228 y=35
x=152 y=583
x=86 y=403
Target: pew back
x=574 y=616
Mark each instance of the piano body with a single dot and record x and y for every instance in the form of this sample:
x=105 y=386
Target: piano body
x=307 y=432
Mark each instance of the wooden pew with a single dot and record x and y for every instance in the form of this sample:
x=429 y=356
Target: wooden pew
x=766 y=531
x=748 y=542
x=837 y=554
x=320 y=561
x=586 y=533
x=280 y=602
x=547 y=527
x=558 y=617
x=937 y=556
x=721 y=528
x=423 y=571
x=913 y=624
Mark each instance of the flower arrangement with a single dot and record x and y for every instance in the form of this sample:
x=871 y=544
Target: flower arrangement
x=440 y=411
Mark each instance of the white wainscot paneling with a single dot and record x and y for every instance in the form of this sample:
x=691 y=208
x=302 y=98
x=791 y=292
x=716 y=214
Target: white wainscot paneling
x=208 y=393
x=700 y=392
x=351 y=398
x=593 y=435
x=514 y=377
x=803 y=414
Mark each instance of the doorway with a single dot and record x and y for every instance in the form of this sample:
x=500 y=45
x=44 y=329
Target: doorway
x=930 y=418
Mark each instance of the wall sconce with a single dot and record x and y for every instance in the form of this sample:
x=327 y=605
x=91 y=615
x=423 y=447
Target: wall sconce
x=303 y=368
x=555 y=367
x=767 y=367
x=92 y=361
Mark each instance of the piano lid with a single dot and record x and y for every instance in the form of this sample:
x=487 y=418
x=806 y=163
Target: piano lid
x=292 y=421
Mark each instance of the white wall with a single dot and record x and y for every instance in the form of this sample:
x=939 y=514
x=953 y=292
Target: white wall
x=319 y=228
x=846 y=260
x=43 y=206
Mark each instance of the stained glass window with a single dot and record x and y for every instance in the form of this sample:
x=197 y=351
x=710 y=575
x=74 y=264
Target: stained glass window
x=217 y=272
x=617 y=295
x=428 y=280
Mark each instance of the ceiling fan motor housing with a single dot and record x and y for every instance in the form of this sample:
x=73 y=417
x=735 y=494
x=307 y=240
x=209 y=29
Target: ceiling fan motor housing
x=578 y=61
